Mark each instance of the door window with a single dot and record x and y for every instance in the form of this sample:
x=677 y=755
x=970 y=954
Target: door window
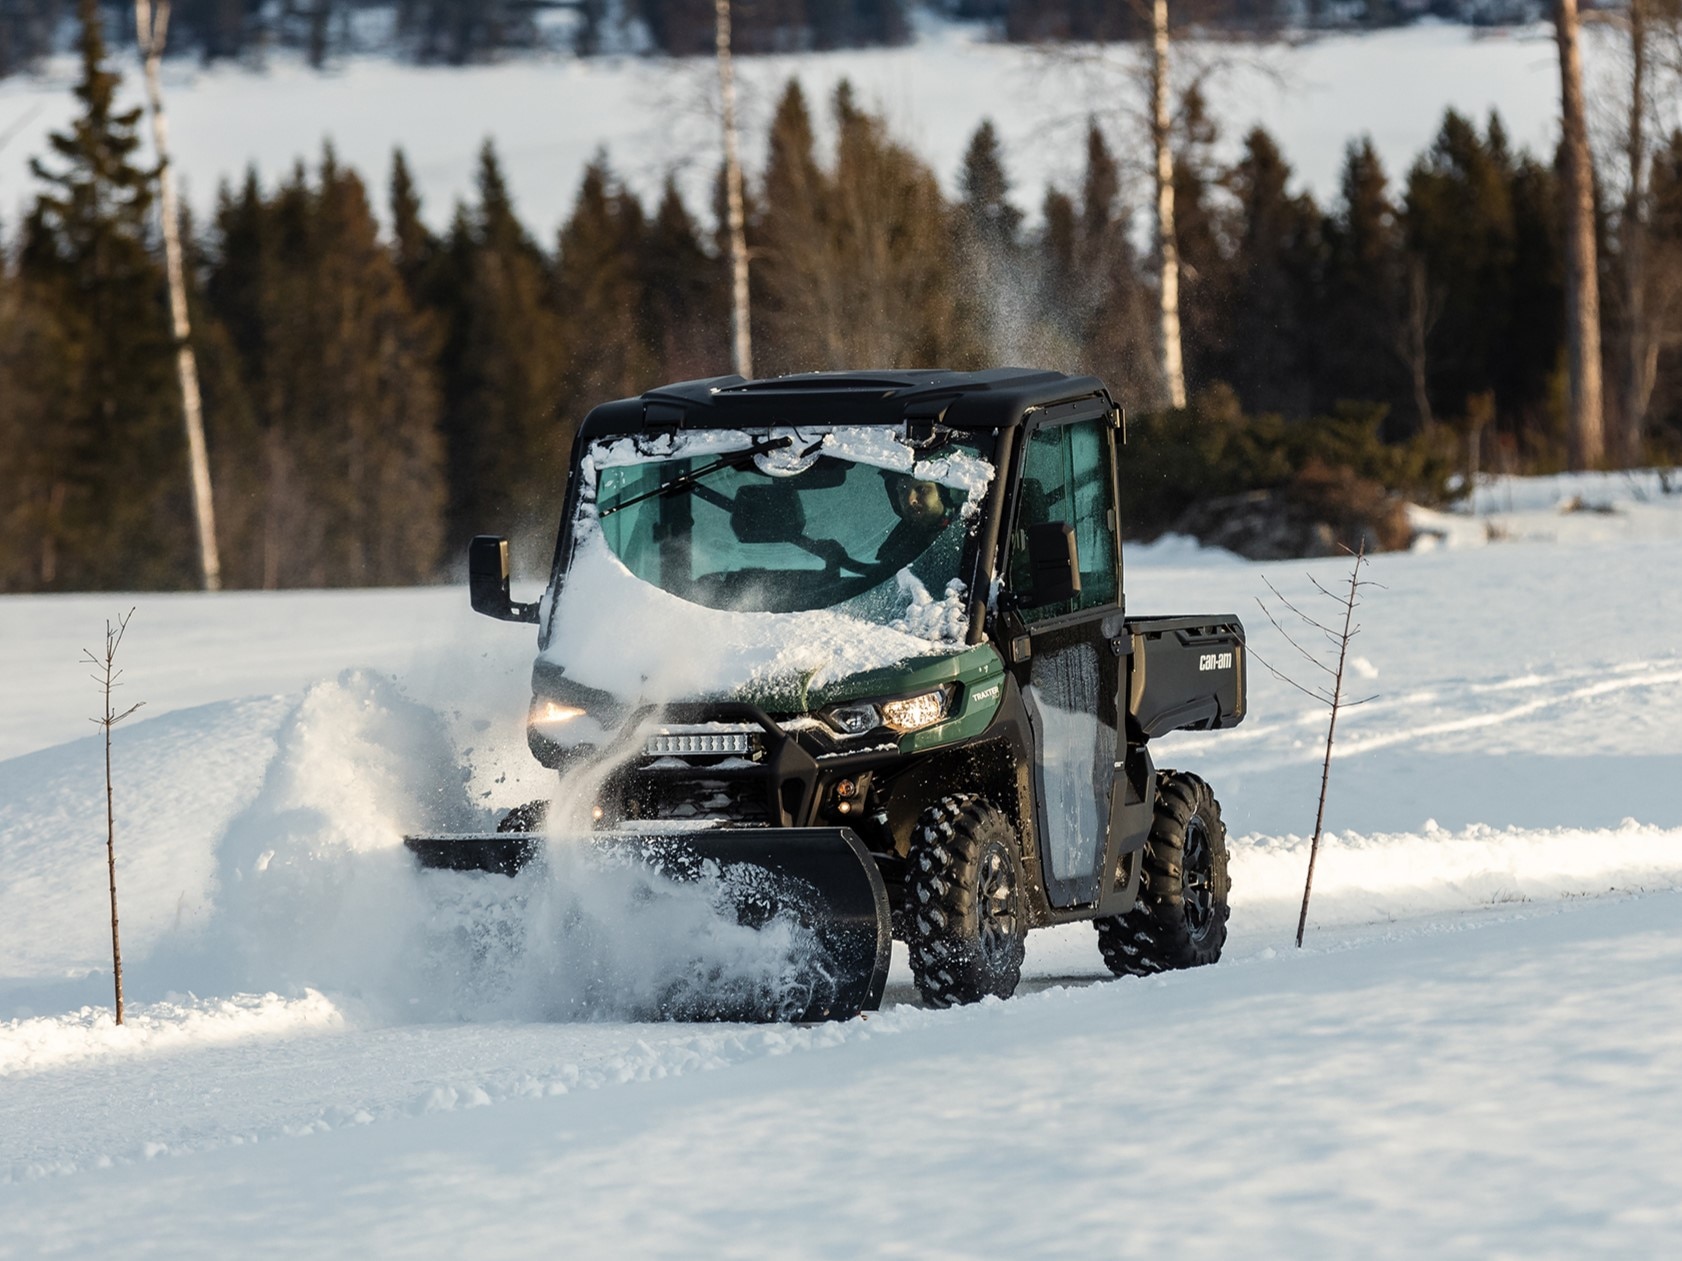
x=1066 y=477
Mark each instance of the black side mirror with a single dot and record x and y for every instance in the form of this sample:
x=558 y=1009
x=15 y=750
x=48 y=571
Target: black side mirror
x=1054 y=563
x=487 y=581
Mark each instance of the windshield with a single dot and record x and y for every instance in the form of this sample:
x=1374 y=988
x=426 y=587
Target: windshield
x=792 y=520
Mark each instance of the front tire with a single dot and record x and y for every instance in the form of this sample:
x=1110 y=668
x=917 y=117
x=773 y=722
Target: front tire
x=1180 y=918
x=965 y=915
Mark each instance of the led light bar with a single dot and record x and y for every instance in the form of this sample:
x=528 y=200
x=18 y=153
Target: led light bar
x=695 y=743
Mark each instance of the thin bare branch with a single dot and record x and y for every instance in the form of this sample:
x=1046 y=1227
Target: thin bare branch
x=1293 y=608
x=1312 y=693
x=1306 y=655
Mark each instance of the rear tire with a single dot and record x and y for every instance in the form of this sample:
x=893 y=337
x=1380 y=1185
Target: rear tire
x=1180 y=918
x=965 y=913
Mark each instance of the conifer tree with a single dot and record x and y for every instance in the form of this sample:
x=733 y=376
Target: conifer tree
x=1059 y=246
x=1120 y=319
x=115 y=512
x=26 y=476
x=1458 y=218
x=1100 y=192
x=997 y=288
x=987 y=211
x=599 y=285
x=1360 y=324
x=895 y=275
x=1201 y=233
x=796 y=280
x=1526 y=371
x=341 y=387
x=413 y=245
x=502 y=365
x=682 y=294
x=1269 y=357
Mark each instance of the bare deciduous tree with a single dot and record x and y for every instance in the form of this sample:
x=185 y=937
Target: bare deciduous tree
x=1331 y=696
x=151 y=25
x=109 y=679
x=733 y=199
x=1582 y=285
x=1168 y=246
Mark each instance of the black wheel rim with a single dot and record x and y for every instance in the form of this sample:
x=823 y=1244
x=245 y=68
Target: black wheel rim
x=996 y=909
x=1197 y=868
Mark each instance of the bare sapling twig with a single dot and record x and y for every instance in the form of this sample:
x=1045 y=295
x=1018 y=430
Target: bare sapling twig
x=1332 y=697
x=109 y=678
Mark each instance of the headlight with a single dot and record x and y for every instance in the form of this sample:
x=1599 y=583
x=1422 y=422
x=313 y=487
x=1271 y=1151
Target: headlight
x=855 y=719
x=551 y=714
x=913 y=713
x=909 y=713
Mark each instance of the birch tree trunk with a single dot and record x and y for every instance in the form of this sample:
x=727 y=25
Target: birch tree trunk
x=1582 y=282
x=1641 y=350
x=152 y=28
x=1168 y=247
x=734 y=214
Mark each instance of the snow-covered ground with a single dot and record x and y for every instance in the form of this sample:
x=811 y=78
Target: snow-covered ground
x=549 y=115
x=1478 y=1053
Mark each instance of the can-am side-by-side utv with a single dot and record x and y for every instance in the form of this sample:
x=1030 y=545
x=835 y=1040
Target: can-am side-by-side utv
x=854 y=645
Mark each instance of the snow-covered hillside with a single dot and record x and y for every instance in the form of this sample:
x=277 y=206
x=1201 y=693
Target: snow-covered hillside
x=549 y=115
x=1478 y=1053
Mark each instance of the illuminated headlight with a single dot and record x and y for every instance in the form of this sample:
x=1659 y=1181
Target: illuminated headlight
x=913 y=713
x=855 y=719
x=550 y=714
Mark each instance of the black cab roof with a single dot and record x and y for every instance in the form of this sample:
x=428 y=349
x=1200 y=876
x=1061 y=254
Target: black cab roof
x=993 y=399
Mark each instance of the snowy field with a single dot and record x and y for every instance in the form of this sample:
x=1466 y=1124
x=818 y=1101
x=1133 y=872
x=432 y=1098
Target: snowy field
x=1478 y=1053
x=549 y=115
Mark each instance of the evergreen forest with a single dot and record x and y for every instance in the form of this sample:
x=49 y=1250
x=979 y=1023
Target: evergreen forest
x=456 y=32
x=376 y=391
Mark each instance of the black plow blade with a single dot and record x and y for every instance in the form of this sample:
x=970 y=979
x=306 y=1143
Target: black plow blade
x=819 y=882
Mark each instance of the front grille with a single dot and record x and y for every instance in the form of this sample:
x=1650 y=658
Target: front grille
x=742 y=802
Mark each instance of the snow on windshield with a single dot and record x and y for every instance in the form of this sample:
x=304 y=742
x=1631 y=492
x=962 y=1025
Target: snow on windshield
x=611 y=630
x=615 y=632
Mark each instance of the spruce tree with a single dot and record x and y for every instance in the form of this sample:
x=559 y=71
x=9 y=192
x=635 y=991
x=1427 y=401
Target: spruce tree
x=1458 y=220
x=1100 y=192
x=794 y=277
x=1118 y=315
x=894 y=271
x=1203 y=230
x=341 y=390
x=413 y=245
x=599 y=285
x=998 y=288
x=682 y=294
x=115 y=512
x=985 y=188
x=1270 y=354
x=1360 y=325
x=502 y=364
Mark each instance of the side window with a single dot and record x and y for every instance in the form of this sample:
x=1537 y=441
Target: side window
x=1040 y=498
x=1066 y=477
x=1091 y=493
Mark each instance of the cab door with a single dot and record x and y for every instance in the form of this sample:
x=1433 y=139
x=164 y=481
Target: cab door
x=1073 y=676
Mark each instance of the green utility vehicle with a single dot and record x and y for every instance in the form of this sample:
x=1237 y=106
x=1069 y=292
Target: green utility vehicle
x=854 y=644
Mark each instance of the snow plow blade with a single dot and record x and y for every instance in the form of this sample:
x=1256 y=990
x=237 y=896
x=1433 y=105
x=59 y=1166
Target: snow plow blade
x=824 y=878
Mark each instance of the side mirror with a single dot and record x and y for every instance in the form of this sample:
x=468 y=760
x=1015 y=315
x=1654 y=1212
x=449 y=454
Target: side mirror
x=487 y=581
x=1054 y=562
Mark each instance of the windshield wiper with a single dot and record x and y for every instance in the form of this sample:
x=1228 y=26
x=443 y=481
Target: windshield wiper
x=683 y=483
